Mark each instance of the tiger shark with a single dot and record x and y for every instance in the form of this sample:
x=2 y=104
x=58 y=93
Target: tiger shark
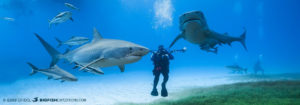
x=195 y=30
x=53 y=72
x=99 y=53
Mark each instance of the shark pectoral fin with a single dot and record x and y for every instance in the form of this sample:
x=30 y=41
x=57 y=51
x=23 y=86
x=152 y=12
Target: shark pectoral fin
x=174 y=41
x=91 y=63
x=71 y=19
x=122 y=68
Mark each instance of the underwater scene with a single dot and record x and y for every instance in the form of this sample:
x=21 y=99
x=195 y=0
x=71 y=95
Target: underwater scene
x=149 y=52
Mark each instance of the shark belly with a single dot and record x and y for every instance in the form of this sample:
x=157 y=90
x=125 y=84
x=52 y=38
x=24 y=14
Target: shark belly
x=117 y=61
x=55 y=76
x=194 y=32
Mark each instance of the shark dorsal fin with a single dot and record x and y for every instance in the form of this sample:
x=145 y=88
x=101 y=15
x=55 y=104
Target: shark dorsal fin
x=96 y=36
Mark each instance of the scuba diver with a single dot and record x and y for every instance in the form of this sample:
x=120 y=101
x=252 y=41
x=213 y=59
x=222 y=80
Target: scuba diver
x=161 y=63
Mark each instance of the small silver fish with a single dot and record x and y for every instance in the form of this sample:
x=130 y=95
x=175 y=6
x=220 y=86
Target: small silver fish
x=74 y=40
x=71 y=6
x=8 y=19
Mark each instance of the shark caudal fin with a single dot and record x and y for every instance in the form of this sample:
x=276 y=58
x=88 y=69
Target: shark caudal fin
x=34 y=68
x=53 y=52
x=50 y=23
x=59 y=42
x=243 y=38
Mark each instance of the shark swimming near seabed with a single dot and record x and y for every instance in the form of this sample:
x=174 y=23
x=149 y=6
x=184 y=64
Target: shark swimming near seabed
x=100 y=52
x=54 y=72
x=73 y=41
x=237 y=69
x=195 y=30
x=60 y=18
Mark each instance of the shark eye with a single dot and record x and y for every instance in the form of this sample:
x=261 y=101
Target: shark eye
x=130 y=48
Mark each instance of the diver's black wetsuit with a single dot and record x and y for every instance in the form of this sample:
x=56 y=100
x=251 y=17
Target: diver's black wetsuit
x=161 y=66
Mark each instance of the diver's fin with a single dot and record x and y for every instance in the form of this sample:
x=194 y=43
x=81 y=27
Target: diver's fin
x=34 y=68
x=178 y=37
x=122 y=68
x=96 y=36
x=53 y=52
x=71 y=19
x=59 y=42
x=91 y=63
x=243 y=38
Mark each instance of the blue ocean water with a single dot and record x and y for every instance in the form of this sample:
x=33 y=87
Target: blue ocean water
x=272 y=31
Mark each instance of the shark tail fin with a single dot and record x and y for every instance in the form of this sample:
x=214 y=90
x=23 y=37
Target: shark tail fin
x=34 y=68
x=59 y=42
x=56 y=56
x=243 y=38
x=50 y=23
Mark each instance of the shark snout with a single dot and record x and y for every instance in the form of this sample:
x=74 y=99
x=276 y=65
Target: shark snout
x=140 y=51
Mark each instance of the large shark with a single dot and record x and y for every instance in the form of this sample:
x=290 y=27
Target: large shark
x=74 y=40
x=60 y=18
x=53 y=72
x=194 y=29
x=99 y=53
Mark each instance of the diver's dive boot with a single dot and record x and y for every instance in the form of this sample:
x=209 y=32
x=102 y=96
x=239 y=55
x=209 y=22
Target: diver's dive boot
x=164 y=92
x=154 y=92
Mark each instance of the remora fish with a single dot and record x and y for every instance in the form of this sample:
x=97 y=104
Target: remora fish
x=71 y=6
x=60 y=18
x=74 y=40
x=99 y=52
x=194 y=29
x=53 y=72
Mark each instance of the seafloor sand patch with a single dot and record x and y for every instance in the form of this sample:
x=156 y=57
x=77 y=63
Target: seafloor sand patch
x=110 y=89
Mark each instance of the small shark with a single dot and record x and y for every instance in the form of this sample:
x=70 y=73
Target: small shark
x=53 y=72
x=71 y=6
x=60 y=18
x=74 y=40
x=236 y=68
x=100 y=52
x=194 y=29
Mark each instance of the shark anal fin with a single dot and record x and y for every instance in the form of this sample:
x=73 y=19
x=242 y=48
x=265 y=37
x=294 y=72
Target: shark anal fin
x=174 y=41
x=122 y=67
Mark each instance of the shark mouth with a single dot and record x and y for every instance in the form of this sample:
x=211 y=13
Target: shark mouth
x=190 y=20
